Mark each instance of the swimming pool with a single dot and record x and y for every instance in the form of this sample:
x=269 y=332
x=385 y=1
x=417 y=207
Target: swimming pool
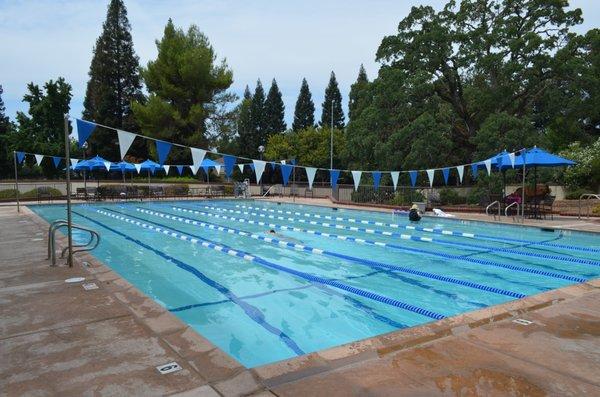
x=325 y=277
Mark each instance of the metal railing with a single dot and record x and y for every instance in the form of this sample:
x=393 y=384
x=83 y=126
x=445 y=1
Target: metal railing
x=513 y=204
x=587 y=196
x=54 y=226
x=487 y=209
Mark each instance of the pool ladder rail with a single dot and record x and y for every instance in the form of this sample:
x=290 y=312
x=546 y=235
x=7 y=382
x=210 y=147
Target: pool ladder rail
x=54 y=226
x=499 y=205
x=587 y=196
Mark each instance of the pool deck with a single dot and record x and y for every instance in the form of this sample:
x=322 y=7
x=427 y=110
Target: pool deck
x=59 y=339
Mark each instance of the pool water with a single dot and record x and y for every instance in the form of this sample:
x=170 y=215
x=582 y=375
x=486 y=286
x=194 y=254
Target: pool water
x=322 y=277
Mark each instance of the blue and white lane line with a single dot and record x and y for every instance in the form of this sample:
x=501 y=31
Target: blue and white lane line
x=193 y=239
x=364 y=262
x=484 y=262
x=423 y=229
x=251 y=311
x=512 y=251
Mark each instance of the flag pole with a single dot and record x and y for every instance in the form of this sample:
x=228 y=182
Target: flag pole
x=68 y=169
x=16 y=181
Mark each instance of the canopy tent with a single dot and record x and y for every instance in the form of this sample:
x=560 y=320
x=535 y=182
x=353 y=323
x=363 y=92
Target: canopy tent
x=94 y=164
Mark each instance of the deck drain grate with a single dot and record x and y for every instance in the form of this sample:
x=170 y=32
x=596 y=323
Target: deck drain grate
x=90 y=286
x=168 y=368
x=522 y=321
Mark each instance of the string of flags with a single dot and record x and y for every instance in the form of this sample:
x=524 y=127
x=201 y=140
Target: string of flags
x=86 y=128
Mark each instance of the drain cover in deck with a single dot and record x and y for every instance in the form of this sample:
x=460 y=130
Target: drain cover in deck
x=168 y=368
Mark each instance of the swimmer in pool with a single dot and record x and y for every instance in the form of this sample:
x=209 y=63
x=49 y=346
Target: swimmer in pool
x=282 y=237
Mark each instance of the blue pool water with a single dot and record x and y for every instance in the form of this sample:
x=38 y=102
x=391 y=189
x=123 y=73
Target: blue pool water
x=325 y=277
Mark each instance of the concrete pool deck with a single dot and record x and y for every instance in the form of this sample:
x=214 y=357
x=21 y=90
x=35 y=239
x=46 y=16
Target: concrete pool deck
x=59 y=339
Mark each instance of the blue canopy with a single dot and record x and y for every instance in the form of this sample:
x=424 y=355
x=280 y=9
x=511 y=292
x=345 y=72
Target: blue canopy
x=95 y=163
x=535 y=157
x=150 y=165
x=122 y=166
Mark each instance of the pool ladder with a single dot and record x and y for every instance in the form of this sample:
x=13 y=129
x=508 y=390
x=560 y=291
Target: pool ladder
x=54 y=226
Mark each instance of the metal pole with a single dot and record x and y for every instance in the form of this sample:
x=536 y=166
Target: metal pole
x=69 y=221
x=523 y=191
x=16 y=181
x=331 y=139
x=294 y=183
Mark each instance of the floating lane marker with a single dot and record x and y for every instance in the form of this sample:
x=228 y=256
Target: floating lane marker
x=306 y=276
x=418 y=228
x=364 y=262
x=398 y=247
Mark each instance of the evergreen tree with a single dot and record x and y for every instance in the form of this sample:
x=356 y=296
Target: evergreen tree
x=304 y=113
x=6 y=160
x=114 y=81
x=274 y=111
x=257 y=135
x=356 y=91
x=244 y=122
x=188 y=90
x=332 y=93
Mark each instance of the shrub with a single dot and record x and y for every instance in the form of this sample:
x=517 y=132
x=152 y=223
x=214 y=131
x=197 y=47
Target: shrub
x=406 y=197
x=476 y=195
x=177 y=190
x=596 y=210
x=451 y=196
x=575 y=194
x=42 y=190
x=228 y=190
x=370 y=195
x=587 y=171
x=8 y=194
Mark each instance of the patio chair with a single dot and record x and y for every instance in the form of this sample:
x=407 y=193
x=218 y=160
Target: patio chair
x=546 y=206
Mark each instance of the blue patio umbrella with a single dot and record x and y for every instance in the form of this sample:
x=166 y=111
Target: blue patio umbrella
x=96 y=163
x=206 y=164
x=149 y=166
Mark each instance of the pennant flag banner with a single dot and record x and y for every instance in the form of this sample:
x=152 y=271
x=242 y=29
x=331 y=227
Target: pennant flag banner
x=376 y=179
x=166 y=168
x=56 y=160
x=180 y=169
x=39 y=158
x=333 y=177
x=74 y=162
x=229 y=162
x=162 y=148
x=138 y=167
x=446 y=174
x=206 y=169
x=218 y=169
x=273 y=166
x=356 y=177
x=194 y=169
x=413 y=178
x=259 y=168
x=286 y=170
x=310 y=174
x=20 y=157
x=395 y=175
x=430 y=175
x=197 y=157
x=241 y=167
x=125 y=141
x=84 y=130
x=511 y=156
x=293 y=161
x=251 y=165
x=474 y=170
x=488 y=166
x=461 y=171
x=107 y=165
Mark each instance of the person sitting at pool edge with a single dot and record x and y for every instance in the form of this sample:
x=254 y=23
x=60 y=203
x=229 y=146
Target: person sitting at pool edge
x=413 y=214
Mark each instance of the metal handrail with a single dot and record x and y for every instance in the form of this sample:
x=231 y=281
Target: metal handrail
x=269 y=190
x=587 y=196
x=54 y=226
x=490 y=206
x=511 y=205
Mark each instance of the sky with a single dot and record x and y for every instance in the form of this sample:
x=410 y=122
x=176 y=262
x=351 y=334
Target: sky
x=286 y=40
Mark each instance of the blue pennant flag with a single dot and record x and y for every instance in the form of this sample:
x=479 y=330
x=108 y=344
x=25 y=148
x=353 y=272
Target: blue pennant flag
x=84 y=130
x=251 y=166
x=162 y=148
x=206 y=169
x=474 y=170
x=286 y=170
x=334 y=175
x=20 y=157
x=180 y=169
x=446 y=173
x=56 y=161
x=273 y=166
x=229 y=162
x=413 y=178
x=293 y=161
x=376 y=179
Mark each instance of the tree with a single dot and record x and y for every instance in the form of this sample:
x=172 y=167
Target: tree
x=255 y=135
x=114 y=81
x=188 y=91
x=357 y=90
x=304 y=113
x=332 y=96
x=6 y=155
x=274 y=111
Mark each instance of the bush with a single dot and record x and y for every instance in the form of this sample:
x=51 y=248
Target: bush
x=228 y=190
x=477 y=195
x=370 y=195
x=42 y=190
x=587 y=171
x=596 y=210
x=406 y=197
x=8 y=194
x=177 y=190
x=451 y=196
x=575 y=194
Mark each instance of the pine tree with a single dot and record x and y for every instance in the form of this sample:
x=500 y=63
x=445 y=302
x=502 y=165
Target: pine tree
x=332 y=93
x=356 y=91
x=6 y=163
x=244 y=122
x=274 y=111
x=256 y=136
x=114 y=80
x=304 y=113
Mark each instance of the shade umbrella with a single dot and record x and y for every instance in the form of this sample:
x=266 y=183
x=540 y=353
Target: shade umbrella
x=149 y=166
x=122 y=166
x=206 y=164
x=94 y=164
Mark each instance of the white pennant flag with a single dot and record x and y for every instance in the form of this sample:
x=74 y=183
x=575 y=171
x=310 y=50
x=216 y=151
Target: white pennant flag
x=310 y=174
x=431 y=175
x=488 y=165
x=166 y=167
x=125 y=141
x=107 y=165
x=218 y=169
x=395 y=176
x=197 y=157
x=39 y=158
x=194 y=168
x=74 y=162
x=461 y=172
x=259 y=168
x=138 y=167
x=511 y=156
x=356 y=176
x=241 y=167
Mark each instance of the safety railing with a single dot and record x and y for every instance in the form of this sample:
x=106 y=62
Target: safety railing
x=54 y=226
x=487 y=209
x=513 y=204
x=587 y=196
